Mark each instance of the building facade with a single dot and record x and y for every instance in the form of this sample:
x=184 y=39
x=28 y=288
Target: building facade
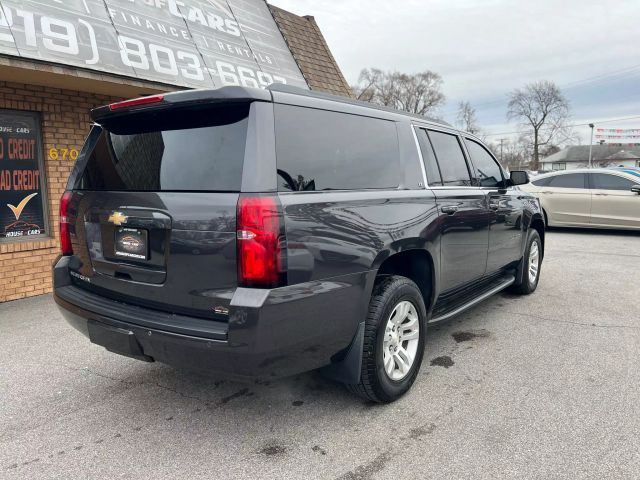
x=48 y=85
x=577 y=156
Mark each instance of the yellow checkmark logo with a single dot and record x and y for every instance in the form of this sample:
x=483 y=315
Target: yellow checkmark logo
x=18 y=210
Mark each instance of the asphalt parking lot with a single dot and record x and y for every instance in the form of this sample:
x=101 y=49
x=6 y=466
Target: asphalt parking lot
x=545 y=386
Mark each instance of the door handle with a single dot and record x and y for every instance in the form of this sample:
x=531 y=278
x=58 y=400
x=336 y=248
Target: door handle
x=449 y=209
x=601 y=194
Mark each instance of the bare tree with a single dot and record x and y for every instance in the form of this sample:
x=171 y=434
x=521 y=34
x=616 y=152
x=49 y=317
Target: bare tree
x=419 y=93
x=513 y=153
x=543 y=113
x=466 y=118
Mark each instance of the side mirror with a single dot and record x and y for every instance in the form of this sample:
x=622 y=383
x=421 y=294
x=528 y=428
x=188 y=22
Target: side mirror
x=519 y=177
x=636 y=189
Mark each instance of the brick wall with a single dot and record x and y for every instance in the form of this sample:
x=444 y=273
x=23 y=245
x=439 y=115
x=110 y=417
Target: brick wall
x=25 y=265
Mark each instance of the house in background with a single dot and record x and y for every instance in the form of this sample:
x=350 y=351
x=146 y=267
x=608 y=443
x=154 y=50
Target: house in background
x=577 y=156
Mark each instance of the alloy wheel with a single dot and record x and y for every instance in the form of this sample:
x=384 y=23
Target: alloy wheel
x=534 y=262
x=401 y=338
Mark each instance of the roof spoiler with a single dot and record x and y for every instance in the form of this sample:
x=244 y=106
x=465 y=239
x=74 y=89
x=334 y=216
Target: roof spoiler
x=185 y=98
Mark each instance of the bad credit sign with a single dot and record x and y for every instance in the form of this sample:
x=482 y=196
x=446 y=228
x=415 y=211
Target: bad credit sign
x=21 y=194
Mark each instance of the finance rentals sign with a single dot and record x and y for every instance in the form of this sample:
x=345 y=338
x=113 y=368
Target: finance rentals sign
x=191 y=43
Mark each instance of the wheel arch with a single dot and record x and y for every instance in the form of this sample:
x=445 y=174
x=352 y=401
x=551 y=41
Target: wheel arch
x=538 y=224
x=415 y=264
x=418 y=266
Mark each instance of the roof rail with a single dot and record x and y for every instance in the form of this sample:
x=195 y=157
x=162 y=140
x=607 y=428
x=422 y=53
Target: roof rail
x=280 y=87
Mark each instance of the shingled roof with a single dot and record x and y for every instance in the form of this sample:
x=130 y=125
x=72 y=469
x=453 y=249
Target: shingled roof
x=580 y=153
x=311 y=52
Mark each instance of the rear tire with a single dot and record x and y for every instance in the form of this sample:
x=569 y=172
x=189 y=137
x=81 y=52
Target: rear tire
x=532 y=262
x=395 y=330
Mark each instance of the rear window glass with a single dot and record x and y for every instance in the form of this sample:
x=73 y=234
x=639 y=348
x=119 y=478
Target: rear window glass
x=322 y=150
x=184 y=150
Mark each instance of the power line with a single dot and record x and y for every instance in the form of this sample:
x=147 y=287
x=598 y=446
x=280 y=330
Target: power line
x=604 y=76
x=576 y=83
x=573 y=125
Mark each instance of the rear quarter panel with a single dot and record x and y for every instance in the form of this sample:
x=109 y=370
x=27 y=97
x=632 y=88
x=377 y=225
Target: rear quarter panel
x=339 y=233
x=347 y=235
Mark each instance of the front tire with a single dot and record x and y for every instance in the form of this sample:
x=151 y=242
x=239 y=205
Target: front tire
x=532 y=262
x=395 y=330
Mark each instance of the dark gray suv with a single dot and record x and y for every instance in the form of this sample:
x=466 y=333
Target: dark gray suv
x=262 y=233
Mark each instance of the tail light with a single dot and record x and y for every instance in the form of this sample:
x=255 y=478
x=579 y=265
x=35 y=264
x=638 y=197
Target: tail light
x=65 y=235
x=260 y=236
x=136 y=102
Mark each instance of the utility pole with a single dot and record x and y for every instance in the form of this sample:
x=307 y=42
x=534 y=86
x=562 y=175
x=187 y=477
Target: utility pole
x=590 y=143
x=501 y=142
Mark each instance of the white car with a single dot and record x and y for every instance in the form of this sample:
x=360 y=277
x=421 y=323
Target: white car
x=596 y=198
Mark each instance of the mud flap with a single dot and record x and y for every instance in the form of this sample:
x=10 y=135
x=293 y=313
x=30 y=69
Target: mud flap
x=519 y=273
x=347 y=370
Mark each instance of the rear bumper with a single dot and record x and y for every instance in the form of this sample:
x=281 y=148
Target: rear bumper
x=270 y=333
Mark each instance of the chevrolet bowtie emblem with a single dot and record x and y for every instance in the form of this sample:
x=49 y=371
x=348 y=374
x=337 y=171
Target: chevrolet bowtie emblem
x=117 y=218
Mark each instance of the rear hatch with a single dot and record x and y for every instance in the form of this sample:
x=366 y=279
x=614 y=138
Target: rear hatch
x=153 y=207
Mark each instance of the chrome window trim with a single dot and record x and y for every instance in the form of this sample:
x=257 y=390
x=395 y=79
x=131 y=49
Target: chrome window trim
x=438 y=128
x=422 y=167
x=445 y=187
x=463 y=147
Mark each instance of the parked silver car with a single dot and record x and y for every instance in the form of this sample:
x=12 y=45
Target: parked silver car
x=597 y=198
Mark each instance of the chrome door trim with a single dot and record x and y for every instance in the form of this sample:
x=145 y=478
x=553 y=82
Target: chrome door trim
x=422 y=167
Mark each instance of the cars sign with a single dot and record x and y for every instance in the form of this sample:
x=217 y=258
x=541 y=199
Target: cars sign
x=191 y=43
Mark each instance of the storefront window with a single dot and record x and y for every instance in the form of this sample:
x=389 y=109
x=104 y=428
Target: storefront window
x=23 y=211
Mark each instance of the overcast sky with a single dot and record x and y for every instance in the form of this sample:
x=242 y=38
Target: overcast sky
x=485 y=48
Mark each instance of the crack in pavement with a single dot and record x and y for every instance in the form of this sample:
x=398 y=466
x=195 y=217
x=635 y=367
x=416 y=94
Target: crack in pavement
x=552 y=320
x=123 y=381
x=611 y=254
x=366 y=471
x=140 y=383
x=128 y=383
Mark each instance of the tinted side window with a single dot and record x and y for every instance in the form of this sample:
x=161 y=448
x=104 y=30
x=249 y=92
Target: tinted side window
x=322 y=150
x=543 y=182
x=429 y=158
x=571 y=180
x=453 y=165
x=610 y=182
x=489 y=172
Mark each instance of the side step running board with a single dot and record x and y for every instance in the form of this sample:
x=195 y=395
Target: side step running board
x=504 y=282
